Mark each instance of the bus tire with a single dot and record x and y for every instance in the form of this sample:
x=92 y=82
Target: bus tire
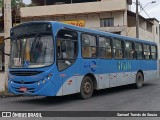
x=139 y=80
x=86 y=89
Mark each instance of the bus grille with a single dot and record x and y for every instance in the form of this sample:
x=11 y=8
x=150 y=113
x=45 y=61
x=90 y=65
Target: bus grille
x=25 y=73
x=20 y=82
x=30 y=90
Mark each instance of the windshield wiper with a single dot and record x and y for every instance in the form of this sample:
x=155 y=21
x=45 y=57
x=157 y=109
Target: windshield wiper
x=35 y=41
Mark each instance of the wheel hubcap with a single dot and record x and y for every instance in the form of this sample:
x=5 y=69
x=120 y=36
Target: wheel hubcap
x=87 y=87
x=140 y=81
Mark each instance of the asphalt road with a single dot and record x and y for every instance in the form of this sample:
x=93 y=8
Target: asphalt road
x=124 y=98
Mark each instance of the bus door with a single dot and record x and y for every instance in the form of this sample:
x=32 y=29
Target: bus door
x=67 y=51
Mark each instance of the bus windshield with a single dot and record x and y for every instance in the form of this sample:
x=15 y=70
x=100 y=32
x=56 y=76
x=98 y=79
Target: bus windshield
x=32 y=52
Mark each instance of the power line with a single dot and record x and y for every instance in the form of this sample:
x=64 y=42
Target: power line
x=144 y=10
x=154 y=6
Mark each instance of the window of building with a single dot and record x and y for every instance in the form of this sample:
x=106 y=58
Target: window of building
x=89 y=46
x=118 y=33
x=129 y=50
x=154 y=52
x=2 y=58
x=59 y=2
x=118 y=49
x=157 y=30
x=139 y=51
x=149 y=27
x=106 y=22
x=146 y=51
x=67 y=48
x=105 y=48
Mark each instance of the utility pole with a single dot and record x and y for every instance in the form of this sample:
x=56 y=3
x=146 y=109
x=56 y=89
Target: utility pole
x=7 y=27
x=137 y=19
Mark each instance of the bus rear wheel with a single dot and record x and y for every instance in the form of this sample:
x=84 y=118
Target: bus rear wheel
x=86 y=89
x=139 y=80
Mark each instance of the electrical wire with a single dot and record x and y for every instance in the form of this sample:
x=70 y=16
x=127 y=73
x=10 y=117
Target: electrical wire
x=154 y=6
x=144 y=10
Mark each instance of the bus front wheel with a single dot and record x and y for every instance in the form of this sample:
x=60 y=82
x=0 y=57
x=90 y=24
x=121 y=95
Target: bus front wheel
x=139 y=80
x=86 y=89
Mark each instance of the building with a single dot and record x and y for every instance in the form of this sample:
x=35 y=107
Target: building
x=105 y=15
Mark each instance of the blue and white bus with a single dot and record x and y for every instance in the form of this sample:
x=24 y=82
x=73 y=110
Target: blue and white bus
x=56 y=59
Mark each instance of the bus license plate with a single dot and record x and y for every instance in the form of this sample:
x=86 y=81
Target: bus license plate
x=23 y=89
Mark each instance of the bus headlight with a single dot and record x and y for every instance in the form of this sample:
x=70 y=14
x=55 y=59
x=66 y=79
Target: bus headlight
x=38 y=83
x=49 y=76
x=43 y=81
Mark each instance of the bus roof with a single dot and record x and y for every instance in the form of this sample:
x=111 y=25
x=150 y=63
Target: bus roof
x=87 y=30
x=101 y=32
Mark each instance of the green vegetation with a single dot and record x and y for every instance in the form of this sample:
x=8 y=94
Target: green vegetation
x=14 y=3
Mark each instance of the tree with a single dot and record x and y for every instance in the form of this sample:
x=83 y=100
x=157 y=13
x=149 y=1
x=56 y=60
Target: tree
x=1 y=3
x=14 y=3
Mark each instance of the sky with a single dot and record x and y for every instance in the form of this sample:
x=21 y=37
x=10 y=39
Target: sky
x=27 y=1
x=152 y=10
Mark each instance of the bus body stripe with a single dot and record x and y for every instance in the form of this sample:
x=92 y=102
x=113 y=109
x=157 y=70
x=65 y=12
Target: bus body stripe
x=104 y=81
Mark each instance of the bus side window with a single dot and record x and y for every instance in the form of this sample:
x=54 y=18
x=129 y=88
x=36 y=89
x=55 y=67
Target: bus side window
x=139 y=50
x=147 y=53
x=67 y=50
x=129 y=50
x=105 y=47
x=153 y=52
x=89 y=46
x=58 y=47
x=118 y=48
x=86 y=52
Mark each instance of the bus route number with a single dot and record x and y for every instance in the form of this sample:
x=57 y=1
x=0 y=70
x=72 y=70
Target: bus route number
x=124 y=65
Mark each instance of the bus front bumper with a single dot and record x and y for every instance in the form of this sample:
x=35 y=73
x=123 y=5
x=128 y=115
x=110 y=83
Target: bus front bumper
x=47 y=89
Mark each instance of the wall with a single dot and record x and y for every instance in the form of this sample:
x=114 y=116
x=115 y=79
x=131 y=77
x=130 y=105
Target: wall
x=143 y=34
x=142 y=23
x=77 y=8
x=2 y=81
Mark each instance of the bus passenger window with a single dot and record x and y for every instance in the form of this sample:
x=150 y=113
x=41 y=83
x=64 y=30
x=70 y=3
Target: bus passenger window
x=146 y=51
x=154 y=52
x=118 y=49
x=139 y=51
x=93 y=52
x=67 y=48
x=86 y=52
x=129 y=50
x=89 y=46
x=105 y=48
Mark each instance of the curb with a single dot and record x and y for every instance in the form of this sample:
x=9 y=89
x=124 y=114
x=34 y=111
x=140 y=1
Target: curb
x=4 y=95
